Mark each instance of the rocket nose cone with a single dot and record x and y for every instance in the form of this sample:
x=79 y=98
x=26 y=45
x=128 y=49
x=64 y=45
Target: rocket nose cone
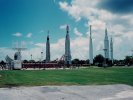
x=48 y=38
x=67 y=28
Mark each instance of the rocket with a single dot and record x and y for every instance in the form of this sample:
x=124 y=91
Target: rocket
x=48 y=49
x=111 y=49
x=106 y=44
x=91 y=48
x=67 y=47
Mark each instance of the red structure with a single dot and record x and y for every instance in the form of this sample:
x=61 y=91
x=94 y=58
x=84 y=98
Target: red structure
x=41 y=65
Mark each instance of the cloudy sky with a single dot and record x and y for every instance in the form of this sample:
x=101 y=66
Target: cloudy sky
x=26 y=23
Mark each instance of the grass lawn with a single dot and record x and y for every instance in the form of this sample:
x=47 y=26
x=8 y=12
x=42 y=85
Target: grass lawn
x=87 y=76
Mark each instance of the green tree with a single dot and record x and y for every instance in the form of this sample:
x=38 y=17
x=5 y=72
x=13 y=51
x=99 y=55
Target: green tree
x=75 y=61
x=98 y=59
x=128 y=60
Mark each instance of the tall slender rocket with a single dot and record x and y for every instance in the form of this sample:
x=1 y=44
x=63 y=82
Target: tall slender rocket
x=67 y=47
x=91 y=48
x=106 y=44
x=111 y=50
x=48 y=49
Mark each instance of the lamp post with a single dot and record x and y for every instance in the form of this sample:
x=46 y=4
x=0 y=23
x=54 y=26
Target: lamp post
x=31 y=56
x=41 y=56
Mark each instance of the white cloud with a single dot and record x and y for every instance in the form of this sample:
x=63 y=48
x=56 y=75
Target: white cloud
x=79 y=49
x=18 y=34
x=73 y=10
x=119 y=26
x=76 y=32
x=29 y=35
x=105 y=15
x=6 y=51
x=58 y=48
x=97 y=24
x=129 y=35
x=63 y=26
x=40 y=44
x=100 y=47
x=36 y=53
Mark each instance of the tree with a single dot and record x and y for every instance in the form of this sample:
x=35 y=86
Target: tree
x=87 y=61
x=82 y=62
x=3 y=64
x=75 y=61
x=128 y=60
x=32 y=61
x=25 y=61
x=99 y=59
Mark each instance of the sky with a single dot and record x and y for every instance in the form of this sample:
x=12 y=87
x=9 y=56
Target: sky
x=26 y=23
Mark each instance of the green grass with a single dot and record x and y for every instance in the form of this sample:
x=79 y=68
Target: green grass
x=87 y=76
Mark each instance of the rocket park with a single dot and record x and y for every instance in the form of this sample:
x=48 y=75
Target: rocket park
x=66 y=60
x=66 y=50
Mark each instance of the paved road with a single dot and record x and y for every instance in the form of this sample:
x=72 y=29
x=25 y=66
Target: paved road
x=102 y=92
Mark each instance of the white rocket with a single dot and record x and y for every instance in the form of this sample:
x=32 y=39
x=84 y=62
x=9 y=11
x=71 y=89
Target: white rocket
x=106 y=45
x=67 y=47
x=111 y=49
x=91 y=48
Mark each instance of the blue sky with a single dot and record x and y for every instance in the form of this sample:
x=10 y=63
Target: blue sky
x=33 y=16
x=28 y=21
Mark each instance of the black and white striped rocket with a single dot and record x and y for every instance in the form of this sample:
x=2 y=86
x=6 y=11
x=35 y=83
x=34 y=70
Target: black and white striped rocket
x=48 y=49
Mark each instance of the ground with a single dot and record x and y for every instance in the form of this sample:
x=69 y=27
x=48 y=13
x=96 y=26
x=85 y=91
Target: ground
x=69 y=84
x=102 y=92
x=84 y=76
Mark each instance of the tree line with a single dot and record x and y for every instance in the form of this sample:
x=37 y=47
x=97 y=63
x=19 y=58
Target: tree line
x=98 y=60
